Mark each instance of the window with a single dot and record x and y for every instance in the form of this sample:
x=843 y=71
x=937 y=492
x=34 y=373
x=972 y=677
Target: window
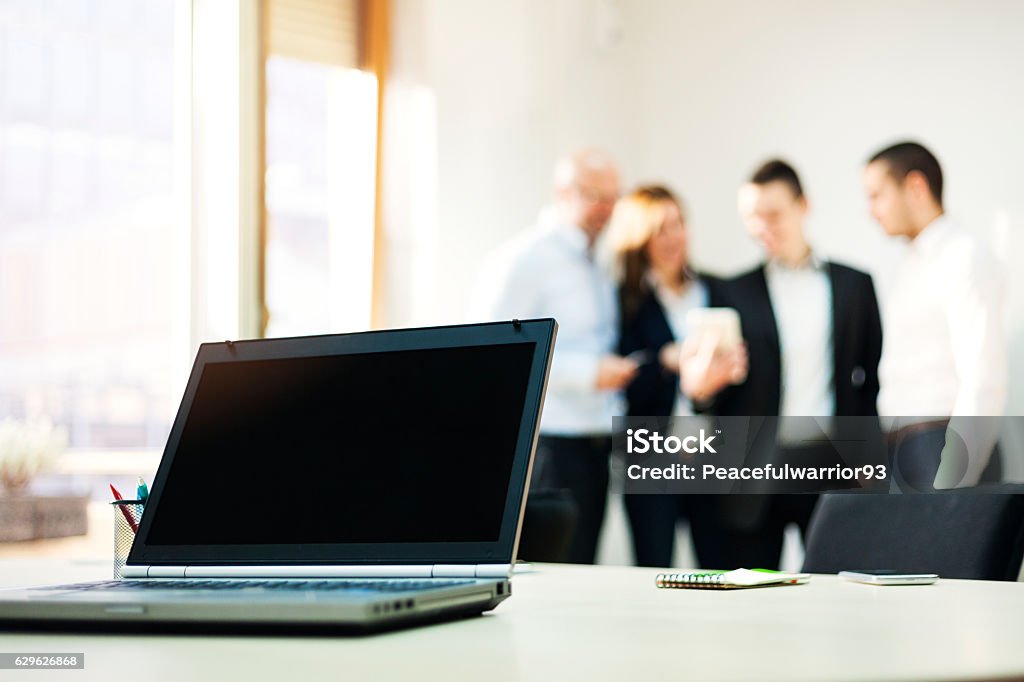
x=93 y=261
x=321 y=142
x=321 y=146
x=105 y=285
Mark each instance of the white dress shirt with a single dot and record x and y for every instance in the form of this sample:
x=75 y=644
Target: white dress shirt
x=677 y=305
x=801 y=299
x=551 y=272
x=944 y=353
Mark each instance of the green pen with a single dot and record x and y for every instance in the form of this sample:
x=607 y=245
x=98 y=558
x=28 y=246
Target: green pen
x=142 y=492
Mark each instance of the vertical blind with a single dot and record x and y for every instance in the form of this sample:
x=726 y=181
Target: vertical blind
x=323 y=31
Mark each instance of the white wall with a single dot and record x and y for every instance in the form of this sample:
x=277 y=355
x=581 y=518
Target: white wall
x=484 y=96
x=694 y=93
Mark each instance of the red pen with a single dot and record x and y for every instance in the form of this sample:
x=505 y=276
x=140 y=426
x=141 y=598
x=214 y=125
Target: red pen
x=124 y=510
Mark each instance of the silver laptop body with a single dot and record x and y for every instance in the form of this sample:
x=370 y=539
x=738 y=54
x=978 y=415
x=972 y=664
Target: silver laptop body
x=360 y=481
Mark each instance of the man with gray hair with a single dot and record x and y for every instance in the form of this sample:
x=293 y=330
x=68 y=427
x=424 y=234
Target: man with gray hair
x=550 y=271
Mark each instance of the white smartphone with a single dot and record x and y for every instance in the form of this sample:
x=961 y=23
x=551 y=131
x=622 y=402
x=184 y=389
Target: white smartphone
x=721 y=323
x=889 y=577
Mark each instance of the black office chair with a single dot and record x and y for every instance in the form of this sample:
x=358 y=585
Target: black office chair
x=957 y=534
x=548 y=526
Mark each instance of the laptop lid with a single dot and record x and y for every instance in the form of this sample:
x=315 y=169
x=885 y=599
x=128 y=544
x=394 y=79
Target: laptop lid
x=409 y=446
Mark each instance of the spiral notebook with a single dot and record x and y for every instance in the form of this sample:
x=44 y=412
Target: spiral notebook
x=739 y=579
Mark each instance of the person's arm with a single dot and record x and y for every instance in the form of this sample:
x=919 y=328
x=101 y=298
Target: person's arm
x=649 y=384
x=578 y=371
x=709 y=382
x=583 y=371
x=705 y=370
x=511 y=286
x=975 y=318
x=974 y=314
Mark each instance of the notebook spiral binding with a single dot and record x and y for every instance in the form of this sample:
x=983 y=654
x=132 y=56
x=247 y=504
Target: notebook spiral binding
x=705 y=580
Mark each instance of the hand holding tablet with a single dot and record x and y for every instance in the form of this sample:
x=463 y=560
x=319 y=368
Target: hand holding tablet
x=718 y=325
x=713 y=355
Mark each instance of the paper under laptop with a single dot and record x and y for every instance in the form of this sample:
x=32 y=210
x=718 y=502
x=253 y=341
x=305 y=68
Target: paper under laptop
x=362 y=480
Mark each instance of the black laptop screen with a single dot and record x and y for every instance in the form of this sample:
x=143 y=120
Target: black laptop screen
x=412 y=446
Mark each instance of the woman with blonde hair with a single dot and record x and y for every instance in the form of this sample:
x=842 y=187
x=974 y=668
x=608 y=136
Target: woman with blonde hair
x=648 y=239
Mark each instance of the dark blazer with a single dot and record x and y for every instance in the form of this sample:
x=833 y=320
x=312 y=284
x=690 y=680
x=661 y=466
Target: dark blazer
x=856 y=341
x=652 y=393
x=856 y=347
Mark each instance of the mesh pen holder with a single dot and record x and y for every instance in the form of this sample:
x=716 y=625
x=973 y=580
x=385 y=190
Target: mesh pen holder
x=127 y=516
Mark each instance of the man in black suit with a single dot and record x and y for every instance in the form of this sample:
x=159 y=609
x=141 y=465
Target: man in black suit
x=814 y=338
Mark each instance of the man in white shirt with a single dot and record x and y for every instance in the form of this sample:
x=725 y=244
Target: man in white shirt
x=944 y=363
x=551 y=272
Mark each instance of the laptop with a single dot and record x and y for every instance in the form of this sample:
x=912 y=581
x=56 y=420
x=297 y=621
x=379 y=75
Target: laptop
x=363 y=481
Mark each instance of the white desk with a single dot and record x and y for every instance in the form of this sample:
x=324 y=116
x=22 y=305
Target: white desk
x=598 y=623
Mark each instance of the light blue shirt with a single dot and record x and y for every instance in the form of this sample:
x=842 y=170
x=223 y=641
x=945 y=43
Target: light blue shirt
x=550 y=272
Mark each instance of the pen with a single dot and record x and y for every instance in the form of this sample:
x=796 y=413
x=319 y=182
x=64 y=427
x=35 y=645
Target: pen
x=124 y=510
x=142 y=492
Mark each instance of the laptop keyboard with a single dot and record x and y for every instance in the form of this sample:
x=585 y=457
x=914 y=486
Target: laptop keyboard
x=376 y=585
